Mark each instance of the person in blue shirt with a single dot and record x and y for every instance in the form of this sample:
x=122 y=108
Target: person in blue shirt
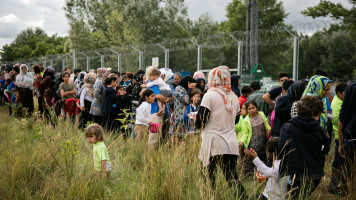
x=2 y=88
x=191 y=110
x=164 y=118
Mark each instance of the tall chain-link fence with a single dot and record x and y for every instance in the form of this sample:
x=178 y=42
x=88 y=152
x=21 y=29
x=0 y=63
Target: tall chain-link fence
x=331 y=51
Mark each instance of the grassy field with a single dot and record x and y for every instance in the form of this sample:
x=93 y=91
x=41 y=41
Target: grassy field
x=41 y=162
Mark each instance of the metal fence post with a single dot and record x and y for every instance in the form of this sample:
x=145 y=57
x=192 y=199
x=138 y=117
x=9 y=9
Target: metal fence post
x=51 y=62
x=102 y=61
x=239 y=58
x=119 y=62
x=63 y=64
x=74 y=60
x=295 y=58
x=200 y=54
x=88 y=63
x=45 y=63
x=166 y=58
x=140 y=62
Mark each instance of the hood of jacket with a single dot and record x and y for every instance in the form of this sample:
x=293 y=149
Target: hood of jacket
x=108 y=90
x=306 y=124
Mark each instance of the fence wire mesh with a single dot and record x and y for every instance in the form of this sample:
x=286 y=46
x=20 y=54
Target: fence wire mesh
x=333 y=52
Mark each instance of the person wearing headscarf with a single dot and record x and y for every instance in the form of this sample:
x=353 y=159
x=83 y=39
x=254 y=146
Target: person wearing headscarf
x=319 y=86
x=24 y=82
x=47 y=89
x=57 y=83
x=47 y=86
x=283 y=108
x=137 y=87
x=78 y=83
x=216 y=120
x=198 y=74
x=98 y=91
x=86 y=97
x=201 y=85
x=235 y=82
x=36 y=86
x=181 y=101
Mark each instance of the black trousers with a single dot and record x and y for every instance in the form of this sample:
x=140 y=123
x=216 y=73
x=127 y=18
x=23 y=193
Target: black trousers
x=349 y=169
x=40 y=104
x=302 y=189
x=98 y=119
x=84 y=115
x=227 y=163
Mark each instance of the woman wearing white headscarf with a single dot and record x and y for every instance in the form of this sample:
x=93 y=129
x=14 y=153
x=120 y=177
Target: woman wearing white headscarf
x=79 y=82
x=24 y=82
x=216 y=120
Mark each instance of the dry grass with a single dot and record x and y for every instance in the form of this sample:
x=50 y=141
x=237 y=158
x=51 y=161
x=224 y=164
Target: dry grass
x=40 y=162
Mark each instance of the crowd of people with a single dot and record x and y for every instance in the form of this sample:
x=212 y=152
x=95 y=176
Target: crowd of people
x=285 y=133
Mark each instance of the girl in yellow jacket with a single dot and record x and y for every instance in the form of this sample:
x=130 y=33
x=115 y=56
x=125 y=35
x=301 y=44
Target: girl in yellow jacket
x=254 y=131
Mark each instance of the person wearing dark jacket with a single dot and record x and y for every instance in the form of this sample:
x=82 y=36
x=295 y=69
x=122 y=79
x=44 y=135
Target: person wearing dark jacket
x=304 y=143
x=347 y=136
x=56 y=87
x=124 y=102
x=109 y=103
x=235 y=82
x=283 y=106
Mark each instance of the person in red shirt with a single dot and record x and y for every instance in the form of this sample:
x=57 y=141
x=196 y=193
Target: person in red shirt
x=246 y=91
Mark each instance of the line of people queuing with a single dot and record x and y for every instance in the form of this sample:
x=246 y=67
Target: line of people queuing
x=286 y=133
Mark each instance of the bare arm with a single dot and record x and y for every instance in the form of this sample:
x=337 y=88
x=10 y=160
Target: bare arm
x=267 y=98
x=341 y=140
x=103 y=168
x=160 y=97
x=64 y=94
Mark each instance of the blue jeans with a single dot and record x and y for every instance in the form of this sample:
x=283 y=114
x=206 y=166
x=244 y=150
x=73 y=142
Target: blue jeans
x=338 y=160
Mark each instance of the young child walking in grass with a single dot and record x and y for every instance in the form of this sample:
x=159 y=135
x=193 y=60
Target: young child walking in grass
x=102 y=164
x=254 y=134
x=276 y=186
x=143 y=113
x=238 y=126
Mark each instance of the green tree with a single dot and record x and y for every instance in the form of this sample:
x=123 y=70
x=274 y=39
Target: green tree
x=331 y=51
x=271 y=14
x=32 y=43
x=116 y=23
x=336 y=11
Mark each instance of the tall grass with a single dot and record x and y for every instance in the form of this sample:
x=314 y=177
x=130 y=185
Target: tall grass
x=42 y=162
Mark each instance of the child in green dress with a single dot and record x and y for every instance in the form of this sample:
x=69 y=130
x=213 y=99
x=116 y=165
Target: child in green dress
x=94 y=134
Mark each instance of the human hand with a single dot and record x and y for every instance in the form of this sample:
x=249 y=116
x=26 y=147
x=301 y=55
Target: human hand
x=122 y=93
x=240 y=145
x=143 y=85
x=82 y=108
x=252 y=154
x=191 y=85
x=269 y=133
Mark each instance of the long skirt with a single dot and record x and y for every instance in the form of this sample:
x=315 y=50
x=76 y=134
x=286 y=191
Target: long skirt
x=26 y=99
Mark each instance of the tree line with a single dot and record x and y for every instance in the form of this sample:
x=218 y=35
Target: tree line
x=111 y=23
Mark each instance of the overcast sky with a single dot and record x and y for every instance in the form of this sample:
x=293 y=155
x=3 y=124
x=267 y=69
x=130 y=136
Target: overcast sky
x=16 y=15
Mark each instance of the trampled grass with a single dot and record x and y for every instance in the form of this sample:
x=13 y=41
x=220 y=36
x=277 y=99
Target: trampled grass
x=42 y=162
